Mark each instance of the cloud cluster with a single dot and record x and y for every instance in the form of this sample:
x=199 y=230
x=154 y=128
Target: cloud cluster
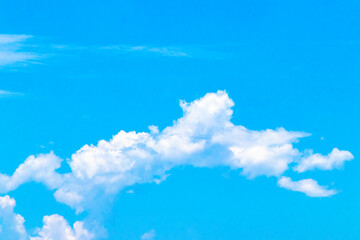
x=203 y=137
x=10 y=49
x=55 y=226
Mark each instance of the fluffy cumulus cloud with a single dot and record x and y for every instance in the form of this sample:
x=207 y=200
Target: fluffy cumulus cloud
x=335 y=159
x=11 y=224
x=203 y=137
x=10 y=49
x=57 y=228
x=39 y=169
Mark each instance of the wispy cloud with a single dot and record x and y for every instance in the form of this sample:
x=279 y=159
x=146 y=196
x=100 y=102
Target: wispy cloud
x=163 y=51
x=15 y=49
x=7 y=38
x=11 y=49
x=4 y=93
x=308 y=186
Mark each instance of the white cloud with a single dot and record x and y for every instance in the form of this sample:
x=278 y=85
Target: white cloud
x=11 y=224
x=10 y=49
x=308 y=186
x=203 y=137
x=57 y=228
x=149 y=235
x=335 y=159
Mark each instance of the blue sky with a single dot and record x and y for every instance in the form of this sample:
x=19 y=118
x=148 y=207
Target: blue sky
x=265 y=146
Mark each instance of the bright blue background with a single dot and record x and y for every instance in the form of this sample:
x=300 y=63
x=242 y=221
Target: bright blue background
x=284 y=63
